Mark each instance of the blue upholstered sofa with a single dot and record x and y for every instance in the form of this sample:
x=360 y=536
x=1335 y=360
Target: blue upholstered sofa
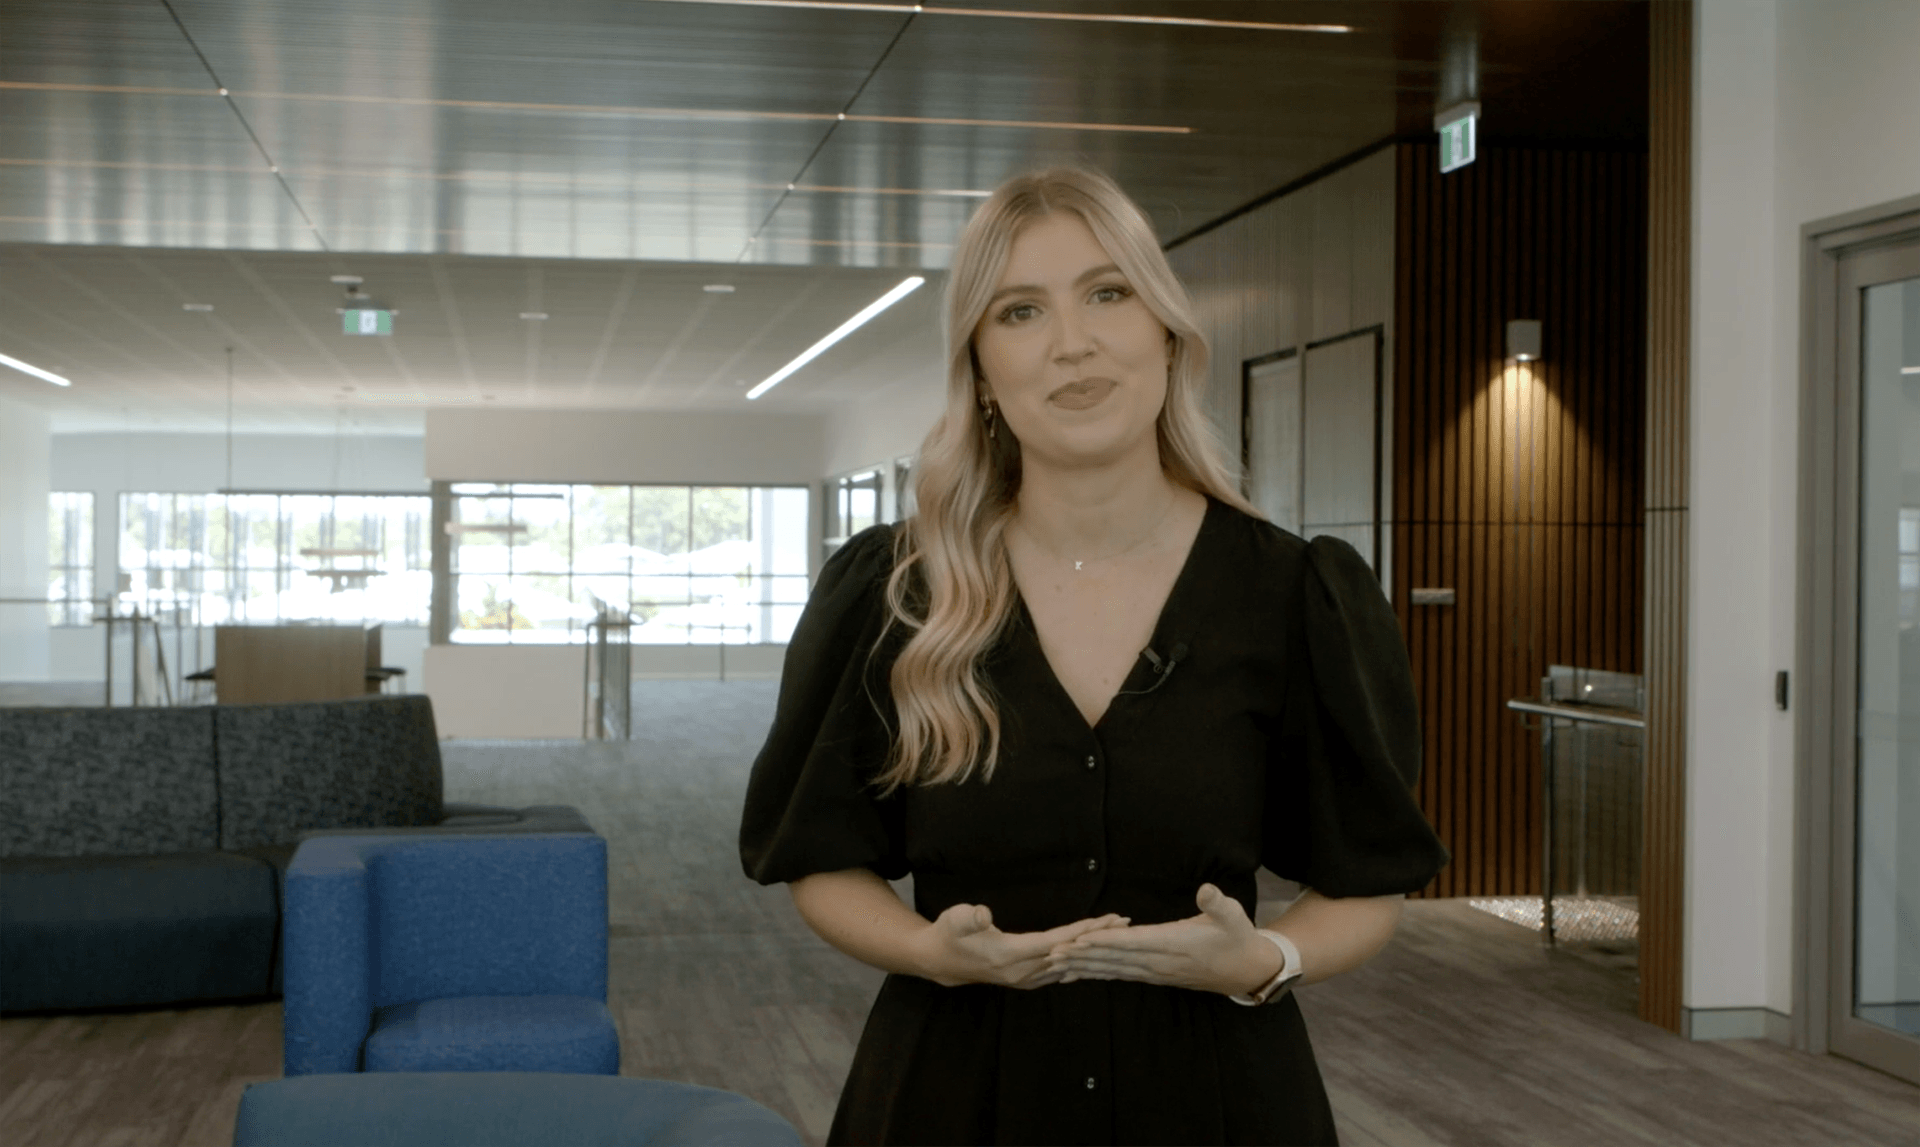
x=450 y=953
x=142 y=851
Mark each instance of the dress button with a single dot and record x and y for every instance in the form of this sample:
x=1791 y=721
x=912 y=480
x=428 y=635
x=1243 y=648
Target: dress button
x=1092 y=864
x=1091 y=762
x=1089 y=1083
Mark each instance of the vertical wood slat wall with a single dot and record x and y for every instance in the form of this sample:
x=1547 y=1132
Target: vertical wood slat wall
x=1517 y=486
x=1669 y=241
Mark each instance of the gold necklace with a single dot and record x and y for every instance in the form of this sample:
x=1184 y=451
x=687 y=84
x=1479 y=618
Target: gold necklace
x=1080 y=564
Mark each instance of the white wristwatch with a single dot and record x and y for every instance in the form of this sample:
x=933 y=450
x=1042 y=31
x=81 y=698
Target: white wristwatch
x=1283 y=979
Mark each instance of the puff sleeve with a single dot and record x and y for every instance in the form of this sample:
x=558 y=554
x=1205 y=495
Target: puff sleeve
x=809 y=804
x=1342 y=818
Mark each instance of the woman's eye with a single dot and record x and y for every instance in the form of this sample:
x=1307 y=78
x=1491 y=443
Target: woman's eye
x=1110 y=294
x=1018 y=313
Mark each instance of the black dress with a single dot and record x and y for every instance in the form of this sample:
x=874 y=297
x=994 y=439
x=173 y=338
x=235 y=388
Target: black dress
x=1285 y=734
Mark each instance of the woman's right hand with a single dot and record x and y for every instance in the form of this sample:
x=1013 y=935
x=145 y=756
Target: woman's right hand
x=963 y=947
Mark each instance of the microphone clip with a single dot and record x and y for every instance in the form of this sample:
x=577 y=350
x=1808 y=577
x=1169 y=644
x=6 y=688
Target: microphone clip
x=1161 y=669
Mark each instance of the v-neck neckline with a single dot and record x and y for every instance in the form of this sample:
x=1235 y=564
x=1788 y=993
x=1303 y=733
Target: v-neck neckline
x=1182 y=585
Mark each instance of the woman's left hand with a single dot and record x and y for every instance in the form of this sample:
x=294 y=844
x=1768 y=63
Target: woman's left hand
x=1216 y=951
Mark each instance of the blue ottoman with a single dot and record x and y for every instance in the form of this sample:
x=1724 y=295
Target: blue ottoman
x=494 y=1033
x=500 y=1109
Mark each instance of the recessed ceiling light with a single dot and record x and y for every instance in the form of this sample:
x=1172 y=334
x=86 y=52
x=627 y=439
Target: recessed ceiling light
x=718 y=288
x=29 y=368
x=346 y=280
x=200 y=307
x=534 y=316
x=906 y=287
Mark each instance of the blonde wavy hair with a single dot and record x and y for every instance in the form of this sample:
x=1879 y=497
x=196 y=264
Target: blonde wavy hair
x=966 y=483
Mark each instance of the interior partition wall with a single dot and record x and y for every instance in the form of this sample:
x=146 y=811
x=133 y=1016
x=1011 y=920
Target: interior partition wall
x=1310 y=439
x=1517 y=484
x=1666 y=499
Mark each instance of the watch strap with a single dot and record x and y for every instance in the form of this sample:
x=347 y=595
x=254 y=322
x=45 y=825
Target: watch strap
x=1282 y=980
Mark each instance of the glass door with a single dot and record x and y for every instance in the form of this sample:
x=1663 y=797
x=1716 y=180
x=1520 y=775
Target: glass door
x=1886 y=813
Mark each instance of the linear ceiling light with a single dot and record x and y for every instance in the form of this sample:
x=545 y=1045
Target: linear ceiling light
x=698 y=114
x=29 y=368
x=1016 y=14
x=563 y=179
x=905 y=288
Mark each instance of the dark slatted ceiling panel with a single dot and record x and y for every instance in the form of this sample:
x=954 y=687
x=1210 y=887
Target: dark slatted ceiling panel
x=1517 y=486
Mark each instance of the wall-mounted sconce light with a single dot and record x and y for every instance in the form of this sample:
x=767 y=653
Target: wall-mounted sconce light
x=1523 y=340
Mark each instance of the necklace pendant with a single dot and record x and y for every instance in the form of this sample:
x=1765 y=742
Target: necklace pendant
x=1076 y=566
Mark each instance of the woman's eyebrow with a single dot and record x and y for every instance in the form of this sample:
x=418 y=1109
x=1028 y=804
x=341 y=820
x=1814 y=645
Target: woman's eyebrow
x=1030 y=288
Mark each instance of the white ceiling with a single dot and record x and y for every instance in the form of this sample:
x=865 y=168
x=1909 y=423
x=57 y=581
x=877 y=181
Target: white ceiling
x=619 y=336
x=600 y=160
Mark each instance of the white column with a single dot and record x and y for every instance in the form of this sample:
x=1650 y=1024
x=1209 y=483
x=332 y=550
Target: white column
x=26 y=438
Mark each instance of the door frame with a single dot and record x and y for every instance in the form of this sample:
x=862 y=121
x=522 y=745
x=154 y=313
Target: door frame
x=1378 y=331
x=1838 y=256
x=1247 y=367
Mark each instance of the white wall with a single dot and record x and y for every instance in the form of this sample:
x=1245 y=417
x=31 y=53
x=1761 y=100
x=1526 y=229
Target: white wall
x=518 y=692
x=197 y=463
x=889 y=424
x=1803 y=109
x=1733 y=729
x=623 y=446
x=25 y=435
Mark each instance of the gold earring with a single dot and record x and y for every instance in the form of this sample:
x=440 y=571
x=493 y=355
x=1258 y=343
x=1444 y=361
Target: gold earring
x=987 y=407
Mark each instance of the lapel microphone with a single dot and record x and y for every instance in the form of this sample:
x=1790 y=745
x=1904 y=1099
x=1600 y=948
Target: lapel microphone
x=1161 y=669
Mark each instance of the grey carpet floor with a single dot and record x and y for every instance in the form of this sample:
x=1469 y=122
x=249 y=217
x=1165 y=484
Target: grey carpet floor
x=1463 y=1031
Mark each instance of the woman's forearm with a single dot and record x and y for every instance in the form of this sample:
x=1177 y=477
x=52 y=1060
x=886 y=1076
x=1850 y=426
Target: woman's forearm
x=1336 y=936
x=860 y=914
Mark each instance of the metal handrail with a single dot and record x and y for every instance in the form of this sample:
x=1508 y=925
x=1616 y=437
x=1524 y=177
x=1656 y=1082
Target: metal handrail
x=1596 y=714
x=107 y=618
x=1555 y=712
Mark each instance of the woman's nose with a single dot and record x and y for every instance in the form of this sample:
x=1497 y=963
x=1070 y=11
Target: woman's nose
x=1073 y=339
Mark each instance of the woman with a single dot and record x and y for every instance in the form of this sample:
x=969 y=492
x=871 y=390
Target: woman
x=1082 y=696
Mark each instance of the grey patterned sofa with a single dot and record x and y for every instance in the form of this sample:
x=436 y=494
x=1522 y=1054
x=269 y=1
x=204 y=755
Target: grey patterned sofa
x=142 y=850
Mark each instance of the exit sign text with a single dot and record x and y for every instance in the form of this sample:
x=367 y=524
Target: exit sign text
x=1457 y=126
x=366 y=321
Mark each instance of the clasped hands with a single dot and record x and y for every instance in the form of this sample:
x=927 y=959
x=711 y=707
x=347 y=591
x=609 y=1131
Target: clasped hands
x=1215 y=951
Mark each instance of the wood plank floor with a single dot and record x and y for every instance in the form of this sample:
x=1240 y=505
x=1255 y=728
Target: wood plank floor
x=1464 y=1031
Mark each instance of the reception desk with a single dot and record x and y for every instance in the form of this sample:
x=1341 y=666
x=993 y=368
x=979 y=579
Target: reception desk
x=256 y=663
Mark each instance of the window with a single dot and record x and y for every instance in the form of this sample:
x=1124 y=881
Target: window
x=212 y=559
x=853 y=504
x=70 y=559
x=705 y=564
x=903 y=503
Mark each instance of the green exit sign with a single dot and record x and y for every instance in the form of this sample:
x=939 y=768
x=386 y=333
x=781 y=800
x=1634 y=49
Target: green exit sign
x=366 y=321
x=1457 y=128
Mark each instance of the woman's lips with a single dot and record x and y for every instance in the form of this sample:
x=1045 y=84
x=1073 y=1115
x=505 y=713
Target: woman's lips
x=1081 y=394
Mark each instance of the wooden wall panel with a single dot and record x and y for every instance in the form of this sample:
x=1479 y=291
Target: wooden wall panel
x=1312 y=264
x=1669 y=243
x=1516 y=485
